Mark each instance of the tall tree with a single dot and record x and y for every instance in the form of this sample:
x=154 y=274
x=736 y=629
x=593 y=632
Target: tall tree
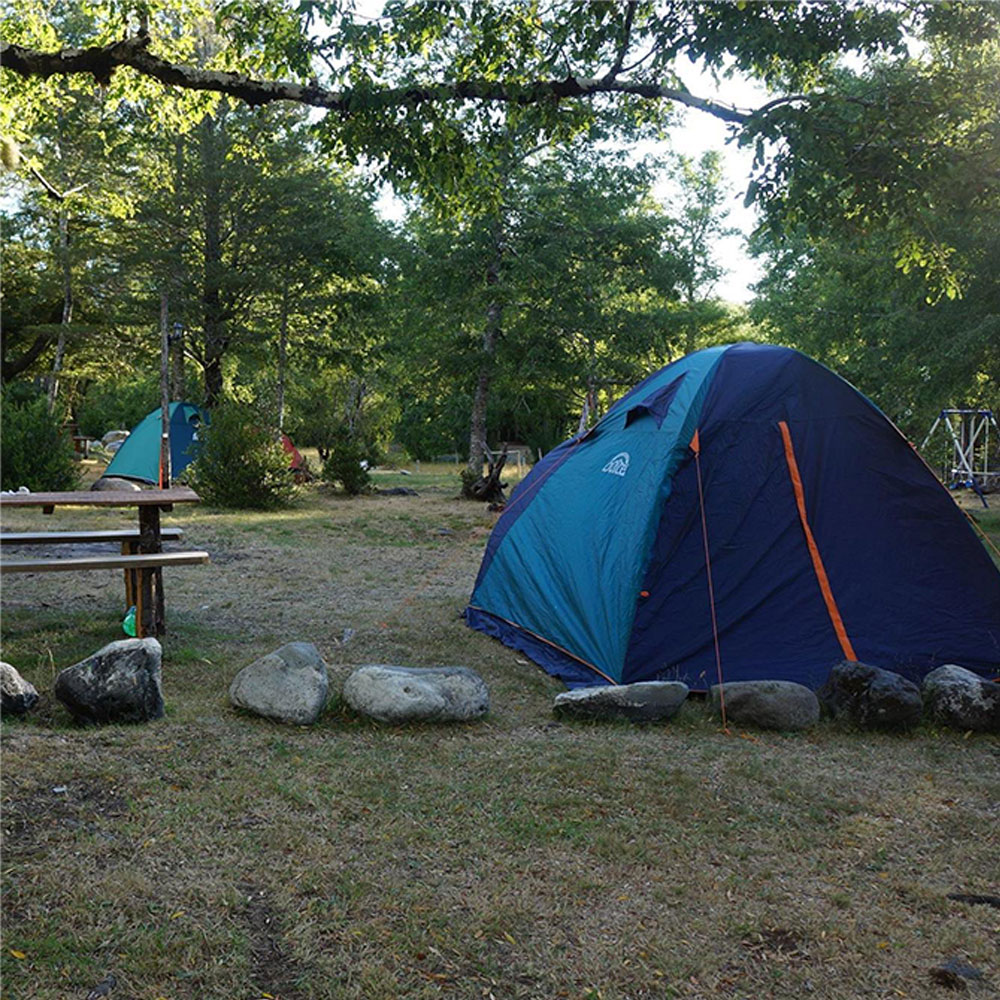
x=586 y=284
x=699 y=223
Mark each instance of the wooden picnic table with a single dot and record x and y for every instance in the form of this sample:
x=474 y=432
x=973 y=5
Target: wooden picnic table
x=142 y=556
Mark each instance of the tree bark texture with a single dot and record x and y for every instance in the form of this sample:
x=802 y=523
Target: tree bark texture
x=213 y=319
x=164 y=393
x=67 y=309
x=282 y=352
x=491 y=333
x=100 y=61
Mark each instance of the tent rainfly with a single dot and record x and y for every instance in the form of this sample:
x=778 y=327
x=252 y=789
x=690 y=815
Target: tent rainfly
x=744 y=501
x=139 y=456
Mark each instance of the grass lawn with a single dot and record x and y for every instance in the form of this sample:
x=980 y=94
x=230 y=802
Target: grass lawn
x=216 y=855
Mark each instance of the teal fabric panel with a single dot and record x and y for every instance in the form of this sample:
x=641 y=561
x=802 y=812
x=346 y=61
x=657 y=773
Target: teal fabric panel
x=139 y=455
x=570 y=568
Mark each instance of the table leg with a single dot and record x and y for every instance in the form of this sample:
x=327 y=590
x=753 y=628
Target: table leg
x=151 y=621
x=129 y=548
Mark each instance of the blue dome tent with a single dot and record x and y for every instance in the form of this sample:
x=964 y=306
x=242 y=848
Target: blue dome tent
x=744 y=492
x=139 y=456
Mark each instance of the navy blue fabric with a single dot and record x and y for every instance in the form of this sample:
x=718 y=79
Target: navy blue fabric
x=656 y=404
x=569 y=670
x=914 y=586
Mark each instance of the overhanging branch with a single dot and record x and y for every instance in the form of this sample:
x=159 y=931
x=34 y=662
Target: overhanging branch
x=100 y=61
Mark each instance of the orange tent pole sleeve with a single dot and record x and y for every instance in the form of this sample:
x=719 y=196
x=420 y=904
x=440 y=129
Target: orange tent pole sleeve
x=817 y=560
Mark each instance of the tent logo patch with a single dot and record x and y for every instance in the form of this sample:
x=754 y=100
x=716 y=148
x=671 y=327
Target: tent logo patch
x=618 y=466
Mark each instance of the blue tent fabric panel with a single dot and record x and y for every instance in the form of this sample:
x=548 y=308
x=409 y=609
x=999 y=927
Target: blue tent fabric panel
x=556 y=662
x=657 y=404
x=770 y=613
x=520 y=498
x=139 y=456
x=914 y=585
x=571 y=561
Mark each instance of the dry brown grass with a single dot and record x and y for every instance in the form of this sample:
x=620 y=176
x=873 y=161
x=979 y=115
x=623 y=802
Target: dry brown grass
x=215 y=855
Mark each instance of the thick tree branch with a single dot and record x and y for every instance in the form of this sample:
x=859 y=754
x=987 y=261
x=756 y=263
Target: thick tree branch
x=10 y=368
x=623 y=48
x=50 y=189
x=102 y=60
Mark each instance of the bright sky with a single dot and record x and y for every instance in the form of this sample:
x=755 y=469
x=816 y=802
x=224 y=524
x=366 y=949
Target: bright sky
x=699 y=132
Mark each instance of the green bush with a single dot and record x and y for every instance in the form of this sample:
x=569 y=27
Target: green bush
x=241 y=463
x=37 y=453
x=343 y=465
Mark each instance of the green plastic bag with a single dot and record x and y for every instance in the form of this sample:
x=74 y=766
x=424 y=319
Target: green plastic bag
x=128 y=624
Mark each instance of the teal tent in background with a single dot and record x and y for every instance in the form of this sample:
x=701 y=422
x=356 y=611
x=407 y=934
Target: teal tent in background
x=139 y=456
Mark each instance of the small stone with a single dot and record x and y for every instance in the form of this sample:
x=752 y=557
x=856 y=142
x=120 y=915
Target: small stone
x=871 y=697
x=119 y=683
x=17 y=696
x=417 y=694
x=645 y=701
x=289 y=685
x=957 y=697
x=782 y=705
x=955 y=974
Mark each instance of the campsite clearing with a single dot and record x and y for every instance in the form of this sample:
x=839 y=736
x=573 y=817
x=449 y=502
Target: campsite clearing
x=216 y=855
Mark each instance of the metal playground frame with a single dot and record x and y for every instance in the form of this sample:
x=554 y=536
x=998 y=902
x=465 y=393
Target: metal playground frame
x=969 y=431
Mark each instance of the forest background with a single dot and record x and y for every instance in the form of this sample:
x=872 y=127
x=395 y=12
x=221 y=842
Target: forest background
x=534 y=275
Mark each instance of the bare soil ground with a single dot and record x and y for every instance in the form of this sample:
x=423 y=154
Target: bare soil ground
x=217 y=855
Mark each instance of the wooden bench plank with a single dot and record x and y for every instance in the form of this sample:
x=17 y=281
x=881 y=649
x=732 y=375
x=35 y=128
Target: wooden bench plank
x=146 y=561
x=106 y=498
x=61 y=537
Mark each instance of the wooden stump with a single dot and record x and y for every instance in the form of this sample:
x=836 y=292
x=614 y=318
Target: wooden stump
x=487 y=488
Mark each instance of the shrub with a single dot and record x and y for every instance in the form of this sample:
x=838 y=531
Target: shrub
x=36 y=451
x=241 y=463
x=343 y=465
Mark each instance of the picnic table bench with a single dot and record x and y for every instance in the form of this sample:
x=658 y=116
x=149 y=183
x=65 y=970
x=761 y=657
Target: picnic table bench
x=141 y=555
x=127 y=536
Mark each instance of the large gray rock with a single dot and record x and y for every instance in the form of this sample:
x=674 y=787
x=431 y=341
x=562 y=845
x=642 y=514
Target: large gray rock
x=417 y=694
x=17 y=696
x=645 y=701
x=113 y=483
x=119 y=683
x=782 y=705
x=114 y=437
x=871 y=697
x=288 y=685
x=957 y=697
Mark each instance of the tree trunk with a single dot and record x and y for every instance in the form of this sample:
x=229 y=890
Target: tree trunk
x=67 y=309
x=491 y=334
x=282 y=353
x=488 y=487
x=213 y=322
x=177 y=367
x=164 y=394
x=177 y=341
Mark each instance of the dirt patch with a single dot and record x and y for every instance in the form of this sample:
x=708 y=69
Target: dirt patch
x=274 y=971
x=35 y=819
